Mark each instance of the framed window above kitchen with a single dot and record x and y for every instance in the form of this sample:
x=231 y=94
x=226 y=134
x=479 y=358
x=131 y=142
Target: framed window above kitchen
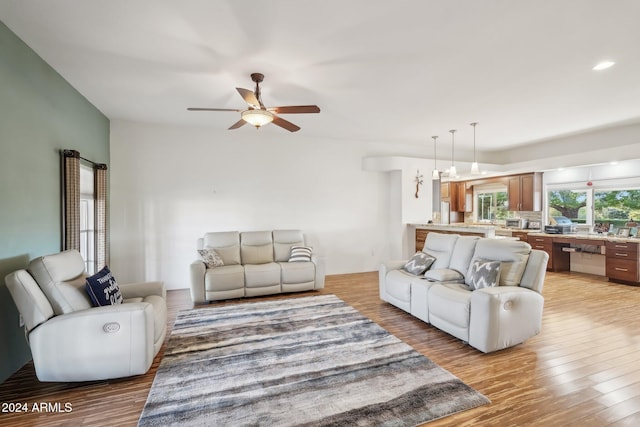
x=608 y=203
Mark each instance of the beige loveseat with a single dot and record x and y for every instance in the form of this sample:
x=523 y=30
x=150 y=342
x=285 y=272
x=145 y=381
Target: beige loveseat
x=253 y=263
x=489 y=318
x=71 y=340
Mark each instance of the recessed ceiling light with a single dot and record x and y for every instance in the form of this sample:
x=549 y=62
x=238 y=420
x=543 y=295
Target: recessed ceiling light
x=613 y=163
x=603 y=65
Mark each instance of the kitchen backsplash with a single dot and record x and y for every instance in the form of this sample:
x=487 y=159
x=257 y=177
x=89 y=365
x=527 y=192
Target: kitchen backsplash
x=529 y=216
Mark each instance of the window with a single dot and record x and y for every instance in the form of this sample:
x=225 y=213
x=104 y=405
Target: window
x=590 y=206
x=573 y=204
x=617 y=206
x=84 y=209
x=491 y=203
x=87 y=218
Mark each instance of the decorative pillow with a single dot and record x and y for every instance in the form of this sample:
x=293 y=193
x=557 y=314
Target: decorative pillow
x=419 y=263
x=210 y=258
x=300 y=254
x=484 y=274
x=103 y=288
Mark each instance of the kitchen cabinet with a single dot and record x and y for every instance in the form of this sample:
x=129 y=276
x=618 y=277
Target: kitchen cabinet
x=444 y=191
x=459 y=197
x=558 y=259
x=521 y=235
x=464 y=194
x=525 y=192
x=622 y=261
x=421 y=235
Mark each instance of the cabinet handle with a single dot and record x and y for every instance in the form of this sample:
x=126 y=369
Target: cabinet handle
x=621 y=269
x=539 y=240
x=622 y=246
x=617 y=254
x=539 y=247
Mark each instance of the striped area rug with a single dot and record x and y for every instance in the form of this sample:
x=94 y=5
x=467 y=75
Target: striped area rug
x=307 y=361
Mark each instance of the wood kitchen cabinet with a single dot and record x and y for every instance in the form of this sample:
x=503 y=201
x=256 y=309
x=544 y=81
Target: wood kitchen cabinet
x=525 y=192
x=558 y=259
x=622 y=260
x=521 y=235
x=460 y=197
x=464 y=194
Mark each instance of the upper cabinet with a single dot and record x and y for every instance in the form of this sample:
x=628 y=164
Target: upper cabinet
x=459 y=195
x=525 y=192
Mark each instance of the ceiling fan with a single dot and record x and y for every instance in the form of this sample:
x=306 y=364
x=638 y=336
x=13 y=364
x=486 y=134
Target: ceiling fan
x=257 y=114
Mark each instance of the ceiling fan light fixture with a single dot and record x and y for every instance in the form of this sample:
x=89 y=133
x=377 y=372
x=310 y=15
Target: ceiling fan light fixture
x=257 y=118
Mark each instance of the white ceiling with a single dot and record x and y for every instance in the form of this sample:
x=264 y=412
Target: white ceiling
x=384 y=71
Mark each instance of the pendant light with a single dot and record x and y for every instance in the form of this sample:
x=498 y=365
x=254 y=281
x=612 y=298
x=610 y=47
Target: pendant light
x=452 y=170
x=436 y=173
x=475 y=170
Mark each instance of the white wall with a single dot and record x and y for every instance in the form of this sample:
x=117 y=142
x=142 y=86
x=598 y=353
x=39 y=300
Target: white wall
x=169 y=185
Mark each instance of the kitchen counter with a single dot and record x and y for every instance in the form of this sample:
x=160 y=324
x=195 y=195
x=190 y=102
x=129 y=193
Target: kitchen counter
x=460 y=228
x=591 y=237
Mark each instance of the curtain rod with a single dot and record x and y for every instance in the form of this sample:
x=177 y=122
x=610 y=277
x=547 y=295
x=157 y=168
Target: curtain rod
x=76 y=154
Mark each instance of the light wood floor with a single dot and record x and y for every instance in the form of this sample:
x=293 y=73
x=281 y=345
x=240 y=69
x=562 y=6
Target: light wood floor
x=582 y=370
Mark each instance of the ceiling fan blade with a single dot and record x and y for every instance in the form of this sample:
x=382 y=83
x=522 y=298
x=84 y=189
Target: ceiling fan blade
x=238 y=124
x=278 y=121
x=295 y=109
x=249 y=97
x=212 y=109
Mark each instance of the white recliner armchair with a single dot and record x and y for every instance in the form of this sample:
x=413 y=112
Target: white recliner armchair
x=71 y=340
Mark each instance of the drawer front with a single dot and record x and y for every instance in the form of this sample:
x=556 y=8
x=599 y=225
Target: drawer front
x=622 y=250
x=539 y=240
x=622 y=269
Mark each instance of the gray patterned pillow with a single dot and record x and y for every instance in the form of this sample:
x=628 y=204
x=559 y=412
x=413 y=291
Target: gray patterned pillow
x=211 y=258
x=484 y=274
x=419 y=263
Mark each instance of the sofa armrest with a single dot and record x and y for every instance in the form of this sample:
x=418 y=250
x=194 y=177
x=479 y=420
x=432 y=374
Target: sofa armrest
x=385 y=268
x=504 y=316
x=320 y=271
x=143 y=289
x=197 y=270
x=94 y=344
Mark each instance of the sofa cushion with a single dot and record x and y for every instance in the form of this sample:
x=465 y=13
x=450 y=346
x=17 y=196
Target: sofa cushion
x=419 y=263
x=283 y=240
x=297 y=272
x=226 y=244
x=103 y=288
x=225 y=278
x=256 y=247
x=61 y=277
x=444 y=275
x=484 y=274
x=260 y=275
x=512 y=253
x=210 y=257
x=398 y=285
x=462 y=253
x=450 y=309
x=440 y=246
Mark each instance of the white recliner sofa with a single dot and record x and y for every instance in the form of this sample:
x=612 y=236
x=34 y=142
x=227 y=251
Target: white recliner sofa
x=254 y=263
x=489 y=319
x=70 y=340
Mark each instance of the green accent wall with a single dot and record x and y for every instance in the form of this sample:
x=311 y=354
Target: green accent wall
x=40 y=114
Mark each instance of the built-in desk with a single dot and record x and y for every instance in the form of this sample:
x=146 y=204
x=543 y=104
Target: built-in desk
x=622 y=257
